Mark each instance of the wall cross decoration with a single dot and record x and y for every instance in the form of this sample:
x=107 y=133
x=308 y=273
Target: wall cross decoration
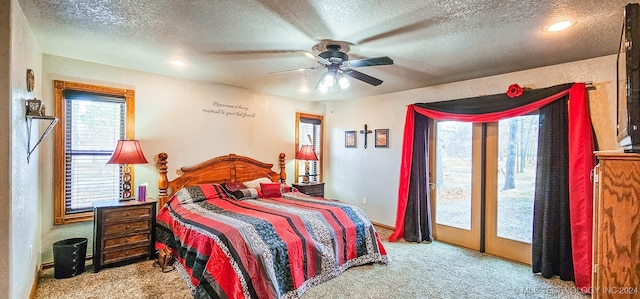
x=365 y=132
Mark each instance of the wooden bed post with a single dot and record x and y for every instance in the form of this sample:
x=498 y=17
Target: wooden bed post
x=283 y=171
x=163 y=181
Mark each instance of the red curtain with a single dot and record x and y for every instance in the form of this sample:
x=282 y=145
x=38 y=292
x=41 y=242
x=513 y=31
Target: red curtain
x=581 y=161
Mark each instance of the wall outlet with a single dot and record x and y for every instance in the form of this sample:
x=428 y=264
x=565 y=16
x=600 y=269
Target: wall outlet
x=364 y=200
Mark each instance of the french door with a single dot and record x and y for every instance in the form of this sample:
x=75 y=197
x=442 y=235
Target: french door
x=455 y=188
x=483 y=184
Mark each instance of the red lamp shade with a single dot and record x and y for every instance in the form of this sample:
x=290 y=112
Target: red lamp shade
x=307 y=153
x=127 y=152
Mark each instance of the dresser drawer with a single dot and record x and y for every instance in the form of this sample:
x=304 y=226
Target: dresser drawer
x=127 y=227
x=125 y=254
x=110 y=244
x=124 y=214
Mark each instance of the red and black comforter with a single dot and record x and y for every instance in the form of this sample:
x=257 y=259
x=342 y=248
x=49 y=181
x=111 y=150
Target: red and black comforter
x=263 y=248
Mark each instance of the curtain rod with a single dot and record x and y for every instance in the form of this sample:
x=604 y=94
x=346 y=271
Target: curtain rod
x=589 y=84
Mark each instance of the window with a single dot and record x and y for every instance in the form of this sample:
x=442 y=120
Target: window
x=309 y=129
x=93 y=118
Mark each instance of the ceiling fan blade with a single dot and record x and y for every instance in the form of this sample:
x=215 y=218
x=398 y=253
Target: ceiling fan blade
x=299 y=70
x=385 y=60
x=363 y=77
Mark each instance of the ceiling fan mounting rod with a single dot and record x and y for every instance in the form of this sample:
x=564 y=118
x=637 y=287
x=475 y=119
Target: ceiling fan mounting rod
x=333 y=51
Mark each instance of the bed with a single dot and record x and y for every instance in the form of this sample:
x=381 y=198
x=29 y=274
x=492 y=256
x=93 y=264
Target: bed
x=231 y=241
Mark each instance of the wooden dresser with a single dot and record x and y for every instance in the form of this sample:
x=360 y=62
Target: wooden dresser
x=123 y=232
x=312 y=189
x=616 y=228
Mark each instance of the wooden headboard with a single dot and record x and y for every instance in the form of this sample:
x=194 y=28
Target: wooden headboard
x=228 y=168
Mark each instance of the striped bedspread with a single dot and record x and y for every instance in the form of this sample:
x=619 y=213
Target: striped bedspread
x=267 y=247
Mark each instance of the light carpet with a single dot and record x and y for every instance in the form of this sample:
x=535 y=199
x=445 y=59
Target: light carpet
x=425 y=270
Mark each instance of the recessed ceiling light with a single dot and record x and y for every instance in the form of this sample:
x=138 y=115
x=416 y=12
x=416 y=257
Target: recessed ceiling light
x=177 y=62
x=559 y=26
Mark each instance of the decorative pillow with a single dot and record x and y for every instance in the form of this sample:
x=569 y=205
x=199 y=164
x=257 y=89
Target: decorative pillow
x=247 y=193
x=284 y=188
x=256 y=183
x=270 y=189
x=201 y=192
x=233 y=186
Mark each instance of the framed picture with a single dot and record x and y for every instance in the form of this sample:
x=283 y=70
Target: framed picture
x=34 y=107
x=382 y=137
x=350 y=139
x=30 y=80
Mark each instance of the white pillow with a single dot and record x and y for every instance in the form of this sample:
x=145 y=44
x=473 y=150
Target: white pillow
x=256 y=183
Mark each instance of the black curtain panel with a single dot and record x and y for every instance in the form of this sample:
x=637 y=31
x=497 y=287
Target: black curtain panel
x=551 y=246
x=418 y=217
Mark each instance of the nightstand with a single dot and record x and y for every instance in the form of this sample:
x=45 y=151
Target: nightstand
x=123 y=231
x=312 y=189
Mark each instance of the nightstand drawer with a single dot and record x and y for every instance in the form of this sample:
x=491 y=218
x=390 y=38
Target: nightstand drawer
x=127 y=214
x=129 y=227
x=316 y=189
x=128 y=240
x=113 y=257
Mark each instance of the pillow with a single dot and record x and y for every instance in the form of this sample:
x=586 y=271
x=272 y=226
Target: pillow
x=245 y=193
x=270 y=189
x=201 y=192
x=284 y=188
x=256 y=183
x=233 y=186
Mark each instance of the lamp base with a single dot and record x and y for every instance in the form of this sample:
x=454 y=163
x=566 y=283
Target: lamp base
x=305 y=178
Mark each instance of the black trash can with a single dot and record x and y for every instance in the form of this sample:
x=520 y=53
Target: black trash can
x=69 y=256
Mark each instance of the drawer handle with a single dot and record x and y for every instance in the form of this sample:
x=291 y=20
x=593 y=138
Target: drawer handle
x=128 y=226
x=128 y=214
x=126 y=252
x=126 y=240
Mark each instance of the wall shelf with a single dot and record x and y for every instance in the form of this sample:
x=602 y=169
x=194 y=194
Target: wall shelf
x=53 y=121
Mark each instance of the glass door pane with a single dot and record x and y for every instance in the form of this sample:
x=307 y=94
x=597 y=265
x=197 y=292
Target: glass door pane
x=453 y=174
x=516 y=179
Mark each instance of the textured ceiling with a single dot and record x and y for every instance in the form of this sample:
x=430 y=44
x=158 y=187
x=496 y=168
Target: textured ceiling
x=241 y=42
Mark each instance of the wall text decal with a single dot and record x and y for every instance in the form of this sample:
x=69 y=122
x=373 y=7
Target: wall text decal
x=227 y=110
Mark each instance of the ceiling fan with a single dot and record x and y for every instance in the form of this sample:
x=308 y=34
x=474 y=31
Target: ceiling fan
x=339 y=67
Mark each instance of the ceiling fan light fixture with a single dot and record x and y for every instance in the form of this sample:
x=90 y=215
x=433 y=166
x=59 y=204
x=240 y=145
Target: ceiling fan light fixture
x=329 y=80
x=344 y=82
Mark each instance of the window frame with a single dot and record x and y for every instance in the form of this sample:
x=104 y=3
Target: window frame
x=59 y=200
x=319 y=148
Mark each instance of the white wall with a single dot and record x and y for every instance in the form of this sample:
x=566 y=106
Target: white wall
x=24 y=208
x=354 y=173
x=5 y=146
x=177 y=117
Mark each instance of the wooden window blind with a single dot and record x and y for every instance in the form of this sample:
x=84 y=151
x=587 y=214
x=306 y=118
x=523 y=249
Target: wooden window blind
x=310 y=126
x=94 y=123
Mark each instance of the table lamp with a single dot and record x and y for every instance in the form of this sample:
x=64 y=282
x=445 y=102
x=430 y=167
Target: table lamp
x=127 y=152
x=306 y=153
